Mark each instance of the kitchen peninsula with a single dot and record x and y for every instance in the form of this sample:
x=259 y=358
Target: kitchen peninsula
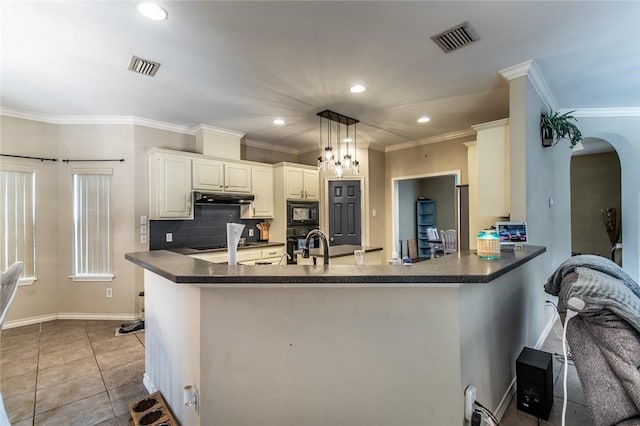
x=338 y=344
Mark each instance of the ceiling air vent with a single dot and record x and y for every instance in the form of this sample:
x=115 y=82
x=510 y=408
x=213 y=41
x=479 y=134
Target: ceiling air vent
x=456 y=37
x=143 y=66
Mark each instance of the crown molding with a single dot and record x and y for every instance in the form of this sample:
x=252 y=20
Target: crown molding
x=219 y=130
x=272 y=147
x=490 y=124
x=531 y=70
x=97 y=119
x=604 y=112
x=432 y=139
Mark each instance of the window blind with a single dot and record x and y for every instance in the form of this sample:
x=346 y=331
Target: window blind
x=91 y=234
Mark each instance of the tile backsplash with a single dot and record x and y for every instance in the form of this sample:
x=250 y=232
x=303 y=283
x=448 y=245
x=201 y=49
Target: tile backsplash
x=208 y=227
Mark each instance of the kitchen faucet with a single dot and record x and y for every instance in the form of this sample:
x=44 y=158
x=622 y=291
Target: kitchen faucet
x=282 y=257
x=325 y=245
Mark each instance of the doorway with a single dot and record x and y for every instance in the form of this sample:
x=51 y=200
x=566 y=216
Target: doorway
x=345 y=212
x=440 y=187
x=596 y=195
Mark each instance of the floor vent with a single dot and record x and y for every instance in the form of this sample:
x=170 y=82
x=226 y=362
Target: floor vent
x=456 y=37
x=143 y=66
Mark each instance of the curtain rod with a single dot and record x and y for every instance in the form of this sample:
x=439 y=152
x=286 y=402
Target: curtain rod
x=30 y=158
x=121 y=160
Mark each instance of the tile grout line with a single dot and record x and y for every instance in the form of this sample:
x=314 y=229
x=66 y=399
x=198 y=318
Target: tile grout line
x=101 y=375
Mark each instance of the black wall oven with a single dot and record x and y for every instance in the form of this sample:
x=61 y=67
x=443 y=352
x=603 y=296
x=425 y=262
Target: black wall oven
x=302 y=213
x=302 y=218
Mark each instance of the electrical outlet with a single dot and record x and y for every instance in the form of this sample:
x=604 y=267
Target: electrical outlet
x=168 y=237
x=109 y=292
x=251 y=232
x=143 y=239
x=469 y=400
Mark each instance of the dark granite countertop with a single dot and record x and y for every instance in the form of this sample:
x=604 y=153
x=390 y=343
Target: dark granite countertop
x=342 y=250
x=458 y=268
x=188 y=250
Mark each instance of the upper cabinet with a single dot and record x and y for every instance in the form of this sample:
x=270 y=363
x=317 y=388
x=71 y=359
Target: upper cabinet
x=220 y=176
x=301 y=184
x=237 y=178
x=208 y=175
x=493 y=151
x=170 y=187
x=262 y=188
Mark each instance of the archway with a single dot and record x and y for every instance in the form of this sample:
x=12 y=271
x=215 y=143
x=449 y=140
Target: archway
x=596 y=198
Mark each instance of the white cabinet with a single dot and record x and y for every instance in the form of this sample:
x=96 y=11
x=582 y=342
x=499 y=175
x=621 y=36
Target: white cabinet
x=208 y=175
x=245 y=256
x=262 y=189
x=169 y=186
x=219 y=176
x=237 y=178
x=492 y=162
x=301 y=183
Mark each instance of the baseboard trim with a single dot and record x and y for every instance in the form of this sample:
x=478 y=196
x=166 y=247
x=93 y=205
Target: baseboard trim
x=87 y=316
x=68 y=315
x=545 y=332
x=506 y=400
x=146 y=381
x=511 y=390
x=29 y=321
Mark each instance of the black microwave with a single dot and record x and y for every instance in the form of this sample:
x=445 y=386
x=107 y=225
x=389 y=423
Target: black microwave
x=303 y=213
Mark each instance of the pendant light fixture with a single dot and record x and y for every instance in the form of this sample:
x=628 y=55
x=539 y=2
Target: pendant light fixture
x=339 y=168
x=321 y=162
x=355 y=166
x=347 y=157
x=332 y=160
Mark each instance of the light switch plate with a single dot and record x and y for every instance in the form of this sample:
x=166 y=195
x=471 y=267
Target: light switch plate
x=143 y=229
x=143 y=239
x=143 y=220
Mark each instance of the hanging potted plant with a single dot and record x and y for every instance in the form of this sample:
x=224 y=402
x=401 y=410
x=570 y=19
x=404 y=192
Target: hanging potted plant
x=555 y=126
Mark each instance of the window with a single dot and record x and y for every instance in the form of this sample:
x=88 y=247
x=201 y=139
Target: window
x=17 y=211
x=91 y=233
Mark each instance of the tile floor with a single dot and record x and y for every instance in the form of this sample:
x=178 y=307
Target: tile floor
x=70 y=372
x=577 y=410
x=78 y=373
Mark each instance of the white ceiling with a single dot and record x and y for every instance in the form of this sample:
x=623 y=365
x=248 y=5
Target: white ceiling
x=238 y=65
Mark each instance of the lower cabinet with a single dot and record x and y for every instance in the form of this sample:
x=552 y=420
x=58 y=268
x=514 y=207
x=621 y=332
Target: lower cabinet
x=245 y=256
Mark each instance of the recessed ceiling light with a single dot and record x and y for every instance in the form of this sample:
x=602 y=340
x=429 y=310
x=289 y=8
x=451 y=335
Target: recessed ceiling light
x=153 y=11
x=357 y=88
x=278 y=121
x=424 y=119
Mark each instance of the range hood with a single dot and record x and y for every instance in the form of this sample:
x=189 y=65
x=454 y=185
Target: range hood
x=203 y=198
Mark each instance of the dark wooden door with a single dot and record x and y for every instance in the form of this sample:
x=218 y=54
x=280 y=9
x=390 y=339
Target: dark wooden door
x=344 y=212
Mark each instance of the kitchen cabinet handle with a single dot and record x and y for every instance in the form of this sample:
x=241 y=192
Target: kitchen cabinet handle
x=272 y=253
x=305 y=194
x=189 y=205
x=301 y=194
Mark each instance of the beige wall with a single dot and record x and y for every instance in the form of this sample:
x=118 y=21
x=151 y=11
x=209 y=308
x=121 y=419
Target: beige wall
x=54 y=293
x=422 y=160
x=595 y=186
x=252 y=153
x=23 y=137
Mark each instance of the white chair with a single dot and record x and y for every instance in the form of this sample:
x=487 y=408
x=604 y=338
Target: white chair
x=8 y=288
x=449 y=241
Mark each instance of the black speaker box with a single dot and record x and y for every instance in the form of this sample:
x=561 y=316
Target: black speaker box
x=534 y=382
